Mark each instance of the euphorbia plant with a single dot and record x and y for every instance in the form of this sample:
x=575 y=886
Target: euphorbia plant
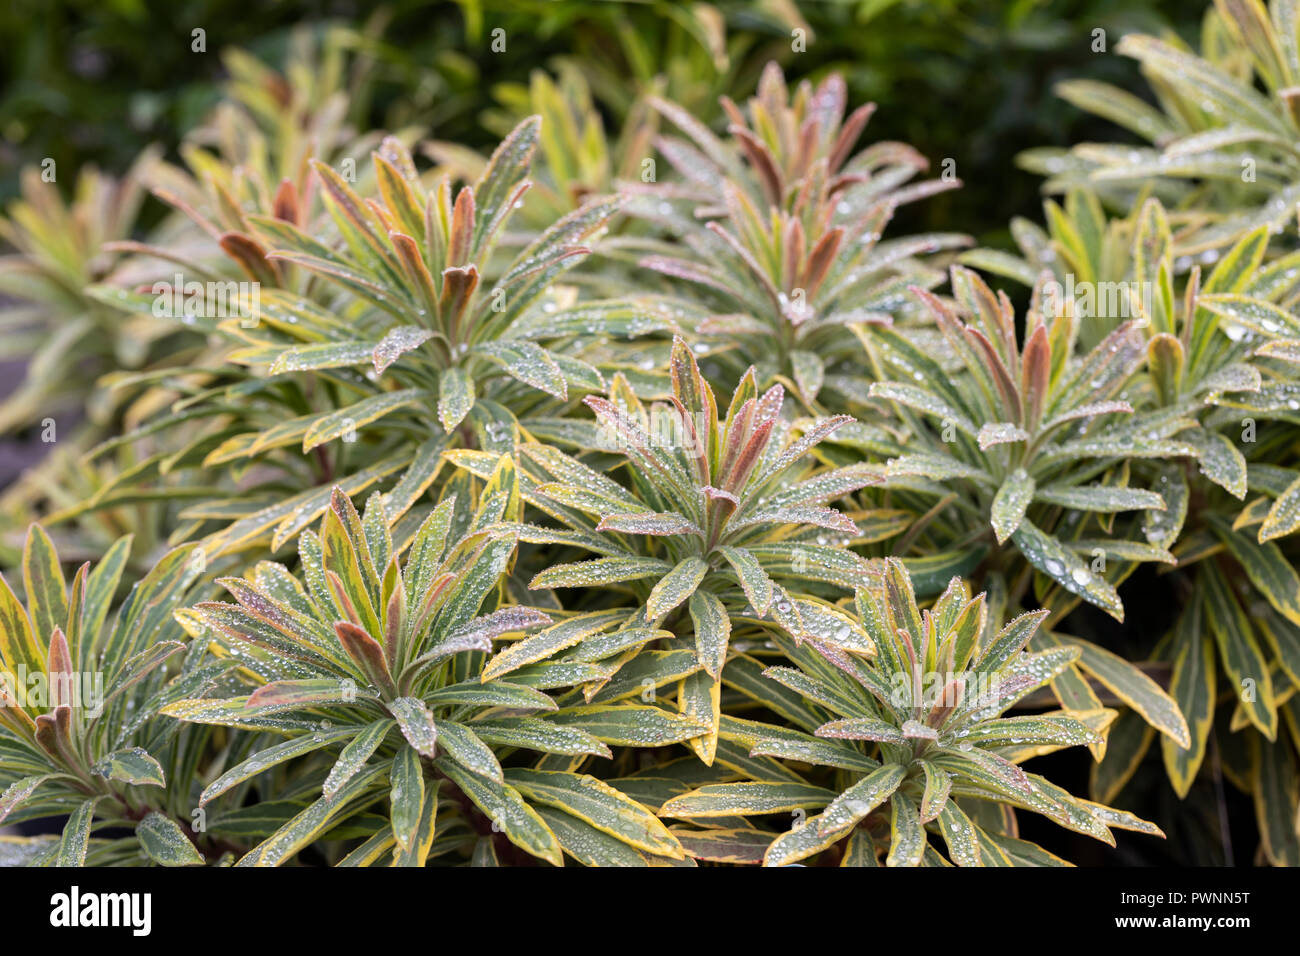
x=911 y=744
x=378 y=660
x=1218 y=379
x=410 y=352
x=1222 y=133
x=1025 y=430
x=588 y=611
x=80 y=726
x=719 y=517
x=782 y=227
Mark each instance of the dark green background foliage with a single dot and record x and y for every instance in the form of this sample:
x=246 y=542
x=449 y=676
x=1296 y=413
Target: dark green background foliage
x=967 y=79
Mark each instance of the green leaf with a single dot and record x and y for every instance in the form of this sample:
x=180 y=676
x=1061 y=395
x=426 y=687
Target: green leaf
x=494 y=694
x=732 y=845
x=809 y=373
x=862 y=728
x=1265 y=565
x=675 y=587
x=455 y=397
x=1049 y=556
x=712 y=631
x=753 y=579
x=541 y=735
x=1219 y=460
x=307 y=826
x=549 y=641
x=1192 y=686
x=306 y=358
x=599 y=805
x=1011 y=502
x=1283 y=516
x=406 y=795
x=799 y=844
x=739 y=799
x=586 y=844
x=416 y=723
x=1130 y=685
x=1277 y=790
x=463 y=746
x=507 y=810
x=1242 y=659
x=907 y=842
x=165 y=842
x=598 y=572
x=861 y=798
x=354 y=756
x=352 y=417
x=76 y=835
x=529 y=363
x=960 y=835
x=421 y=838
x=1058 y=730
x=18 y=644
x=133 y=766
x=494 y=193
x=631 y=725
x=47 y=595
x=18 y=791
x=1102 y=498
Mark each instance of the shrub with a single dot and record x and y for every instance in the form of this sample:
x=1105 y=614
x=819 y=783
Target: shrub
x=587 y=614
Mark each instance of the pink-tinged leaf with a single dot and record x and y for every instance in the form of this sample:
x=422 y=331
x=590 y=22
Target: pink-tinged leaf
x=367 y=654
x=288 y=693
x=351 y=208
x=458 y=285
x=734 y=323
x=459 y=242
x=58 y=668
x=171 y=199
x=757 y=272
x=1035 y=372
x=685 y=269
x=820 y=260
x=400 y=199
x=250 y=256
x=993 y=363
x=696 y=405
x=749 y=451
x=763 y=163
x=285 y=206
x=54 y=733
x=848 y=136
x=418 y=277
x=719 y=505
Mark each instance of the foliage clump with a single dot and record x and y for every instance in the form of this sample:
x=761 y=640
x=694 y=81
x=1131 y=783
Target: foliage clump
x=517 y=512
